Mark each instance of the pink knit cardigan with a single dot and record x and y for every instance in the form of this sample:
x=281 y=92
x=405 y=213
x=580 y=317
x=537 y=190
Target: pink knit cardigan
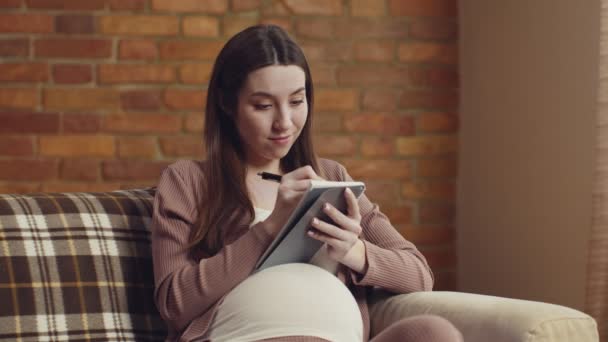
x=188 y=289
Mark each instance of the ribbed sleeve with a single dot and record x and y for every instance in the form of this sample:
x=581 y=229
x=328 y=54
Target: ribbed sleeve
x=393 y=263
x=185 y=289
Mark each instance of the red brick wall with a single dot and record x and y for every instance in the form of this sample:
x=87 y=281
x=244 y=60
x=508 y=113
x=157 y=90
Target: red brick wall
x=102 y=94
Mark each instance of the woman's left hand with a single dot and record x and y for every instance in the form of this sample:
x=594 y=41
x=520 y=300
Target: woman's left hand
x=342 y=238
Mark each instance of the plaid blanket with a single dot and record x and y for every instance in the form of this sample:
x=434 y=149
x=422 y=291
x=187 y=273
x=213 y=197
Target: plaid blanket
x=77 y=266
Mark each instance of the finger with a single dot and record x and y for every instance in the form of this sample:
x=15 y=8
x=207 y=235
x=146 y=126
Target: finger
x=352 y=205
x=295 y=185
x=329 y=229
x=304 y=172
x=340 y=219
x=332 y=241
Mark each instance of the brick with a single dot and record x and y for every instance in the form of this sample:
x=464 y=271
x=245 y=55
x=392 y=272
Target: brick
x=328 y=52
x=10 y=3
x=19 y=188
x=314 y=7
x=201 y=26
x=141 y=49
x=435 y=77
x=382 y=75
x=381 y=123
x=445 y=280
x=437 y=167
x=336 y=99
x=434 y=29
x=73 y=48
x=233 y=25
x=26 y=23
x=207 y=6
x=77 y=146
x=14 y=47
x=428 y=53
x=137 y=147
x=437 y=189
x=72 y=73
x=80 y=169
x=75 y=24
x=428 y=235
x=28 y=170
x=440 y=258
x=398 y=214
x=382 y=191
x=245 y=5
x=431 y=145
x=379 y=169
x=81 y=123
x=140 y=25
x=323 y=74
x=127 y=5
x=63 y=187
x=437 y=123
x=81 y=99
x=141 y=99
x=194 y=122
x=325 y=122
x=375 y=51
x=183 y=146
x=366 y=8
x=24 y=122
x=129 y=73
x=24 y=72
x=197 y=50
x=19 y=98
x=67 y=4
x=435 y=98
x=384 y=99
x=316 y=28
x=185 y=99
x=195 y=73
x=364 y=28
x=423 y=8
x=142 y=123
x=275 y=8
x=436 y=213
x=133 y=170
x=283 y=23
x=16 y=146
x=377 y=146
x=335 y=145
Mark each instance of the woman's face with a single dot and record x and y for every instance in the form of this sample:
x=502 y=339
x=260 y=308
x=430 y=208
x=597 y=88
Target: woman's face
x=272 y=110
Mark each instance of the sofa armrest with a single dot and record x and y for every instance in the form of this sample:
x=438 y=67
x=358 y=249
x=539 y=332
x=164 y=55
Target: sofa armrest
x=483 y=318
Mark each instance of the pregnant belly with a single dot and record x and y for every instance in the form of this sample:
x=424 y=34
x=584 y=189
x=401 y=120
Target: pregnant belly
x=291 y=299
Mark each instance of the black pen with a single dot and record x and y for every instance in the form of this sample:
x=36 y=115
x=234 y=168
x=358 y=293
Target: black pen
x=270 y=176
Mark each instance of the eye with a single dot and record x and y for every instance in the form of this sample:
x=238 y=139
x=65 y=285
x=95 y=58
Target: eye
x=262 y=106
x=297 y=102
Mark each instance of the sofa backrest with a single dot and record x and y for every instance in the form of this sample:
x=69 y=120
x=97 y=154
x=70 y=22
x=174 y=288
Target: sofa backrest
x=77 y=266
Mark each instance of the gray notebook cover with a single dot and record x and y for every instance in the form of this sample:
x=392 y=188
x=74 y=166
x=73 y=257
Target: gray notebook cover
x=292 y=244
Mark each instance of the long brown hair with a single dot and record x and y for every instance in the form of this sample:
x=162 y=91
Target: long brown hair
x=226 y=200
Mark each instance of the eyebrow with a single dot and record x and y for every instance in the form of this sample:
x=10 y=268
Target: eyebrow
x=261 y=93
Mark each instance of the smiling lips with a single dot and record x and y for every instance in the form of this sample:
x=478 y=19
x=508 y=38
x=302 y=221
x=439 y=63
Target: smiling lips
x=280 y=140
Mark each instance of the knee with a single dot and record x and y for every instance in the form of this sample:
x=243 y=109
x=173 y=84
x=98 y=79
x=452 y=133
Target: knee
x=434 y=328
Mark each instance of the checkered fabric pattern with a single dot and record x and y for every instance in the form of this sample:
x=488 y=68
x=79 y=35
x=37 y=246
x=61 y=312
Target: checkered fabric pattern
x=77 y=267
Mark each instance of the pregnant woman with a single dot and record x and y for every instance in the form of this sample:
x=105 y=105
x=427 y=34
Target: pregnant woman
x=213 y=219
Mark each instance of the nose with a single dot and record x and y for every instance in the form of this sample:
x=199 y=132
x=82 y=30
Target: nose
x=282 y=120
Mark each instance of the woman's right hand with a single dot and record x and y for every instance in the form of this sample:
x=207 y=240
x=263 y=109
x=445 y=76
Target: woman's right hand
x=293 y=186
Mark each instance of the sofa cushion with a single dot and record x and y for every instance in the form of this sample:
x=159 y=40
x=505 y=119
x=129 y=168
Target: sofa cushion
x=77 y=266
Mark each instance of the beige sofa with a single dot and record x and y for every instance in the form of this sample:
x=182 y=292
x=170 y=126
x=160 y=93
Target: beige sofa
x=483 y=318
x=77 y=266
